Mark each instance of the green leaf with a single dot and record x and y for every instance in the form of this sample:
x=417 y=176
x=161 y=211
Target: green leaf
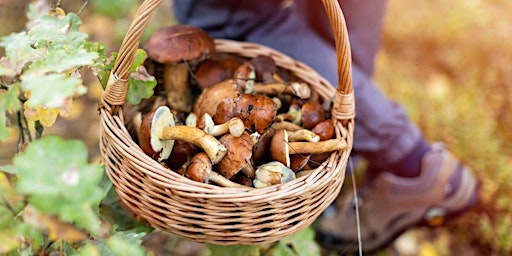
x=19 y=51
x=140 y=86
x=51 y=90
x=89 y=250
x=57 y=179
x=301 y=244
x=9 y=101
x=234 y=250
x=126 y=243
x=138 y=60
x=53 y=31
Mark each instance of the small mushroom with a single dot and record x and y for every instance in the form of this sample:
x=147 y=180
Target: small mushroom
x=238 y=156
x=177 y=47
x=157 y=134
x=324 y=129
x=235 y=126
x=281 y=148
x=271 y=174
x=181 y=153
x=312 y=114
x=244 y=77
x=293 y=115
x=200 y=170
x=256 y=111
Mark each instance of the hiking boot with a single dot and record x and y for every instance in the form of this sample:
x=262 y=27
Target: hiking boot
x=389 y=204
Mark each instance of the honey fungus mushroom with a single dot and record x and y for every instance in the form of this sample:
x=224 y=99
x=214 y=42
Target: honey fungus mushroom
x=158 y=132
x=178 y=47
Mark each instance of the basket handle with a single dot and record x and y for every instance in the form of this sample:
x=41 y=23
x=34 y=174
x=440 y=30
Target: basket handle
x=114 y=95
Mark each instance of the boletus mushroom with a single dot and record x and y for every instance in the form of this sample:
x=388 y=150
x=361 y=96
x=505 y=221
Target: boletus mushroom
x=158 y=132
x=272 y=173
x=256 y=111
x=238 y=156
x=178 y=47
x=200 y=169
x=211 y=97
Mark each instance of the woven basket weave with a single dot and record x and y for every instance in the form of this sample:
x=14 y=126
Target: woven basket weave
x=212 y=214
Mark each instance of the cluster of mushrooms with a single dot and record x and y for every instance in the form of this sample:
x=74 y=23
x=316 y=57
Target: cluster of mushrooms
x=228 y=120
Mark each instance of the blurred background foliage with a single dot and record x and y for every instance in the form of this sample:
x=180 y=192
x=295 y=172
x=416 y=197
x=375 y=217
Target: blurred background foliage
x=448 y=62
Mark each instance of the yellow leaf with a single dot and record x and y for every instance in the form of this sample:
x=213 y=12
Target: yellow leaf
x=47 y=116
x=55 y=228
x=428 y=249
x=10 y=240
x=7 y=191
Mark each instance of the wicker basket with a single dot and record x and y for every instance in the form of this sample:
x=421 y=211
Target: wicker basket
x=208 y=213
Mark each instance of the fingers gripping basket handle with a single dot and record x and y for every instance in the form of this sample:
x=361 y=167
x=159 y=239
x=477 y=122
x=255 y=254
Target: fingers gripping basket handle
x=115 y=92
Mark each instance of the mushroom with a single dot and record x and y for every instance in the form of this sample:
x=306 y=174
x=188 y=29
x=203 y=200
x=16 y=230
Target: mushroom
x=260 y=149
x=298 y=161
x=244 y=77
x=181 y=153
x=200 y=170
x=211 y=97
x=238 y=156
x=256 y=111
x=281 y=148
x=265 y=69
x=312 y=114
x=324 y=129
x=303 y=135
x=235 y=126
x=271 y=174
x=285 y=125
x=215 y=70
x=177 y=47
x=157 y=134
x=293 y=115
x=298 y=89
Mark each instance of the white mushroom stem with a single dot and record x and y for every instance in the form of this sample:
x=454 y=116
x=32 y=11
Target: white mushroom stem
x=300 y=90
x=331 y=145
x=179 y=95
x=213 y=148
x=222 y=181
x=303 y=135
x=235 y=126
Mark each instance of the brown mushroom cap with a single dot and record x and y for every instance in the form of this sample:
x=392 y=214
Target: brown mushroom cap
x=211 y=97
x=312 y=114
x=176 y=43
x=324 y=129
x=215 y=70
x=152 y=124
x=199 y=168
x=256 y=111
x=238 y=155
